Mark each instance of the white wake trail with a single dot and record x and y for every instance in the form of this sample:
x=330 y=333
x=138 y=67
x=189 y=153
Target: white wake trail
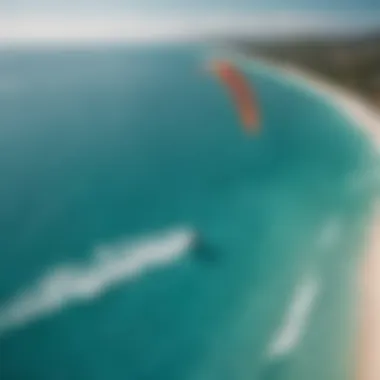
x=110 y=265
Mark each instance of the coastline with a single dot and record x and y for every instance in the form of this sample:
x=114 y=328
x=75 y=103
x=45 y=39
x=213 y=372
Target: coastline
x=367 y=119
x=368 y=364
x=365 y=116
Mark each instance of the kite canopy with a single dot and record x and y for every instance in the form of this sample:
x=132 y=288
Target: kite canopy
x=241 y=92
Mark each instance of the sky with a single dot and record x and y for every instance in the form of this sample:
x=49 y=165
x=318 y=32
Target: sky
x=37 y=20
x=154 y=5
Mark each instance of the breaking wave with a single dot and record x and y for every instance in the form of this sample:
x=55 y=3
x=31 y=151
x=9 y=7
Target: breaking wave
x=296 y=319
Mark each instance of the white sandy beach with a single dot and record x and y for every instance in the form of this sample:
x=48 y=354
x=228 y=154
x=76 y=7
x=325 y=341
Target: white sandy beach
x=368 y=119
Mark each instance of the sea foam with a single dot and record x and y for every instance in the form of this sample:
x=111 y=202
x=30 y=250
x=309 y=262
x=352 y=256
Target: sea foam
x=296 y=319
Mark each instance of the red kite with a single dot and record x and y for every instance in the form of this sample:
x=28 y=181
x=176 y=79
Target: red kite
x=241 y=92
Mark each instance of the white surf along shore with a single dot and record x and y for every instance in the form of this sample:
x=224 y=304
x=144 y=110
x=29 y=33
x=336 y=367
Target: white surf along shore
x=365 y=116
x=367 y=119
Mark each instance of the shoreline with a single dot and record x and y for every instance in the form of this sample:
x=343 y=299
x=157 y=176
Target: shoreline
x=365 y=116
x=367 y=119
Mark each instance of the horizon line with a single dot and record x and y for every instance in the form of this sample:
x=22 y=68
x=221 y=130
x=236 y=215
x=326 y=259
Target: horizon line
x=177 y=26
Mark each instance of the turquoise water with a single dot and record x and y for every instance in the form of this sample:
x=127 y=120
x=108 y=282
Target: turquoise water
x=111 y=159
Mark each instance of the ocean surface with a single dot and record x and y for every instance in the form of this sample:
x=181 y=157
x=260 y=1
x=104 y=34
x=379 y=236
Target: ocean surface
x=145 y=235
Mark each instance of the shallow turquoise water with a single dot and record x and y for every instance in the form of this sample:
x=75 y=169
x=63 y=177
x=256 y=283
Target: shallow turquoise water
x=103 y=148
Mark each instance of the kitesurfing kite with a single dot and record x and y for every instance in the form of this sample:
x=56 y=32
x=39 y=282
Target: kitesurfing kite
x=241 y=92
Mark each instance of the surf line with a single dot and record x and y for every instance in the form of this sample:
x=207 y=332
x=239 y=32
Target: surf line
x=296 y=319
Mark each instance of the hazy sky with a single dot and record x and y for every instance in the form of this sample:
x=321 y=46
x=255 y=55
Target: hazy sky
x=242 y=5
x=157 y=19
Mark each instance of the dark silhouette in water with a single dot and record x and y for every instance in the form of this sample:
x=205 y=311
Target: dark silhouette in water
x=202 y=250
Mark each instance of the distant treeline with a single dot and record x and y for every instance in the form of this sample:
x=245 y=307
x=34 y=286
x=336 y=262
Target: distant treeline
x=351 y=62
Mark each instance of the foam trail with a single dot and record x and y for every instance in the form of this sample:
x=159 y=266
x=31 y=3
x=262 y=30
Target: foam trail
x=330 y=233
x=296 y=319
x=111 y=265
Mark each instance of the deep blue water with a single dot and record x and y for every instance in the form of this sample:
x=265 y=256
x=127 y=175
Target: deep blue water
x=103 y=149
